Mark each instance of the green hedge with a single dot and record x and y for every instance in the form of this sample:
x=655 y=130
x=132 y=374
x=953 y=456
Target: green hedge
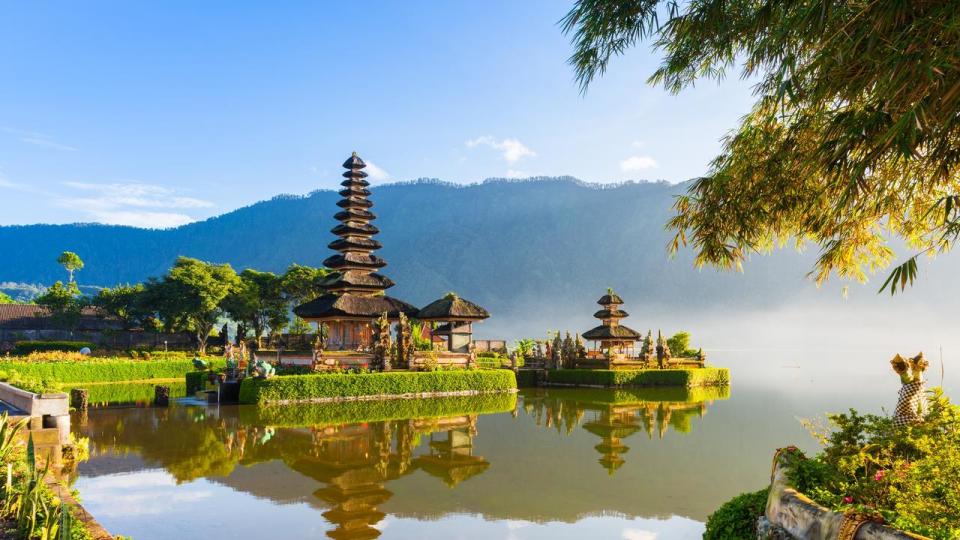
x=307 y=387
x=349 y=412
x=641 y=377
x=737 y=518
x=116 y=394
x=101 y=370
x=526 y=378
x=195 y=381
x=23 y=348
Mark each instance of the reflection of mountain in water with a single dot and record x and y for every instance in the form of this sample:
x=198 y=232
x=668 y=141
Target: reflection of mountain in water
x=358 y=462
x=352 y=462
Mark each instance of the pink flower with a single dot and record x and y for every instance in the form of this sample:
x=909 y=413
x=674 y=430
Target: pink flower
x=879 y=476
x=848 y=500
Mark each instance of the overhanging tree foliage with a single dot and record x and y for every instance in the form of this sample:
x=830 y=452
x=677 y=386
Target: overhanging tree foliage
x=854 y=137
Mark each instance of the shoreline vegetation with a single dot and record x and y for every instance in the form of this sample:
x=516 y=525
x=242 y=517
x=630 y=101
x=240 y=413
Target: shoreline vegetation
x=346 y=386
x=629 y=378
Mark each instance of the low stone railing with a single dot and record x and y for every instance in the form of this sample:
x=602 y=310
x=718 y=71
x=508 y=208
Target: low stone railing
x=792 y=515
x=44 y=410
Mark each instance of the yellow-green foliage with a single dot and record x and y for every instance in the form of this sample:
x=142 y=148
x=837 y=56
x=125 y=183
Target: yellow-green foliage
x=115 y=394
x=195 y=381
x=641 y=377
x=337 y=385
x=100 y=370
x=737 y=518
x=908 y=476
x=316 y=414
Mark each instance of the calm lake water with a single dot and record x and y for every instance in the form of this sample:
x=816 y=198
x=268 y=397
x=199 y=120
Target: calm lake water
x=543 y=464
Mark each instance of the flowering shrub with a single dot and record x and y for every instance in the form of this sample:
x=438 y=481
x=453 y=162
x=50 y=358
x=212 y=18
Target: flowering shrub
x=909 y=477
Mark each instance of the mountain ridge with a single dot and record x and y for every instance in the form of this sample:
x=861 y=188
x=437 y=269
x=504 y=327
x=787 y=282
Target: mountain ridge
x=514 y=246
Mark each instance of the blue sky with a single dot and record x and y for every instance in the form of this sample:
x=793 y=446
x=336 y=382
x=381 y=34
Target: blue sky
x=156 y=114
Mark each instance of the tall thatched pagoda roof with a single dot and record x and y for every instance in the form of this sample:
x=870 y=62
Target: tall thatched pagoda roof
x=355 y=289
x=452 y=308
x=353 y=306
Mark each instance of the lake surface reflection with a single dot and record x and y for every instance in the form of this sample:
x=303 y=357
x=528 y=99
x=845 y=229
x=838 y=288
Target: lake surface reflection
x=555 y=463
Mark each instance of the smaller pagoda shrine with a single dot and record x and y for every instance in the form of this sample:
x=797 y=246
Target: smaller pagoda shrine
x=611 y=339
x=455 y=317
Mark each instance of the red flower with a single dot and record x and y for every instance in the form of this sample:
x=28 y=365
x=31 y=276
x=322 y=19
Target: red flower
x=848 y=500
x=879 y=476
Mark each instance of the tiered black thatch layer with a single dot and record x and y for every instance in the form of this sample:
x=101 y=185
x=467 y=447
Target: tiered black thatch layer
x=355 y=290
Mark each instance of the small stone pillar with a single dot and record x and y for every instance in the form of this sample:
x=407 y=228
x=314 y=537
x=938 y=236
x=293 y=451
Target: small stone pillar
x=161 y=395
x=78 y=399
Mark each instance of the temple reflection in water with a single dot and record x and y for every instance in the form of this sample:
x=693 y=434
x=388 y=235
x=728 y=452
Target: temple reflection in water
x=616 y=415
x=352 y=462
x=348 y=460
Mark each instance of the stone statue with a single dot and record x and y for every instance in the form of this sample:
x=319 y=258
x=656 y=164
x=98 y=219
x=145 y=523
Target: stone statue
x=647 y=350
x=568 y=352
x=263 y=369
x=555 y=351
x=580 y=348
x=663 y=351
x=911 y=399
x=381 y=343
x=405 y=345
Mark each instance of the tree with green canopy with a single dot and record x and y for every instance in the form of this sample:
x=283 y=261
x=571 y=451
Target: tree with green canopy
x=128 y=303
x=64 y=304
x=303 y=283
x=71 y=262
x=5 y=298
x=854 y=138
x=258 y=303
x=191 y=296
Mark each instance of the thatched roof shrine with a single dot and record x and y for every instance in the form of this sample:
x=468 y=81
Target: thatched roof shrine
x=452 y=308
x=611 y=333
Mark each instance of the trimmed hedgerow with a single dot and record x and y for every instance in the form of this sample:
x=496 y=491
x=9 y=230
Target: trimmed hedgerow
x=115 y=394
x=526 y=378
x=195 y=381
x=339 y=385
x=22 y=348
x=641 y=377
x=349 y=412
x=101 y=370
x=737 y=518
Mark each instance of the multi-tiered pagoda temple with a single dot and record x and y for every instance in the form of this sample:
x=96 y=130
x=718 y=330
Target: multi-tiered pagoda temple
x=612 y=337
x=355 y=295
x=356 y=289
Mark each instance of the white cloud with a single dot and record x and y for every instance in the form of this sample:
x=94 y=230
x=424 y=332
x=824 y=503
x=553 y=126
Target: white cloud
x=637 y=534
x=512 y=149
x=135 y=194
x=134 y=204
x=6 y=183
x=376 y=173
x=146 y=220
x=637 y=163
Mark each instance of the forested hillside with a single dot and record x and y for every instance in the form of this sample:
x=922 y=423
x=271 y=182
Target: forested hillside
x=513 y=246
